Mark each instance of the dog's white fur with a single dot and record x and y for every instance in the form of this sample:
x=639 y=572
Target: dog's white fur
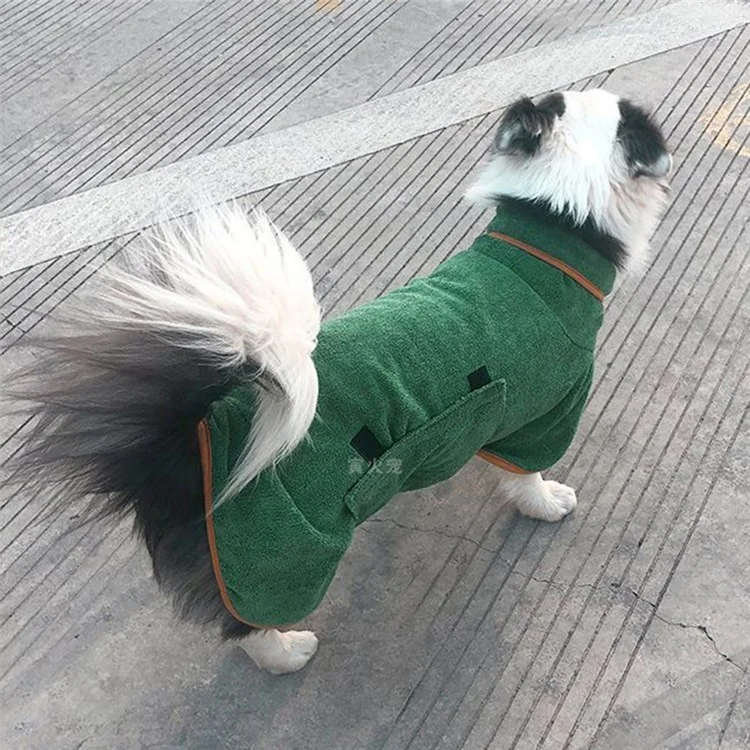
x=581 y=170
x=238 y=289
x=280 y=653
x=536 y=498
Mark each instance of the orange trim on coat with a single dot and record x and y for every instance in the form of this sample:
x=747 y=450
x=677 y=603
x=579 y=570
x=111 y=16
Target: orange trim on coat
x=502 y=463
x=560 y=265
x=204 y=446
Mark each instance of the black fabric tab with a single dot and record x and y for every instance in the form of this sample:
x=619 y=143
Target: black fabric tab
x=478 y=378
x=367 y=445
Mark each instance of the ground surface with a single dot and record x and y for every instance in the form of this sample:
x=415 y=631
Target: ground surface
x=453 y=623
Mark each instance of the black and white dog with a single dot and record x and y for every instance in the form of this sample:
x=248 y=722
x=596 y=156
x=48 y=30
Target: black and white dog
x=117 y=395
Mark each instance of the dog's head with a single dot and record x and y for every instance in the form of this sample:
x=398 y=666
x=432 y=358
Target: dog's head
x=590 y=156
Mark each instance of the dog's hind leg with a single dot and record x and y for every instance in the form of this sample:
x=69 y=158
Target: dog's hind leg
x=280 y=653
x=536 y=497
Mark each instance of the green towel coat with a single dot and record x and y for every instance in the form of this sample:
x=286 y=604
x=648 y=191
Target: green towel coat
x=493 y=350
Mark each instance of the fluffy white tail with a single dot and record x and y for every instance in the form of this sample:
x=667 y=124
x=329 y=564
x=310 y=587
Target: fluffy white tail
x=233 y=287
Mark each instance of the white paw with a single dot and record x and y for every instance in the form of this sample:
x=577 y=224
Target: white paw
x=281 y=653
x=552 y=504
x=300 y=646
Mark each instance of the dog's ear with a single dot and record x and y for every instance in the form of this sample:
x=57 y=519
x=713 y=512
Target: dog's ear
x=642 y=142
x=524 y=124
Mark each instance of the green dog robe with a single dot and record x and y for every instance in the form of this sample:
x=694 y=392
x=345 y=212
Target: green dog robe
x=493 y=352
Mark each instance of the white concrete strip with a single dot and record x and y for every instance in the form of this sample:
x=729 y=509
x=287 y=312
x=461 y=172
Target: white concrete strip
x=135 y=202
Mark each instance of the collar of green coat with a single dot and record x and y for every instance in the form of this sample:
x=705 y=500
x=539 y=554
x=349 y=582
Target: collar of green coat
x=556 y=240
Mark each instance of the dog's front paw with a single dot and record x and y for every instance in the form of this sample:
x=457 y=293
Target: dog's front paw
x=552 y=504
x=281 y=653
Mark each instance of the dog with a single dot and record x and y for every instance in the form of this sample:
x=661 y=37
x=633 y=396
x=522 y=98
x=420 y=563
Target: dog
x=201 y=394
